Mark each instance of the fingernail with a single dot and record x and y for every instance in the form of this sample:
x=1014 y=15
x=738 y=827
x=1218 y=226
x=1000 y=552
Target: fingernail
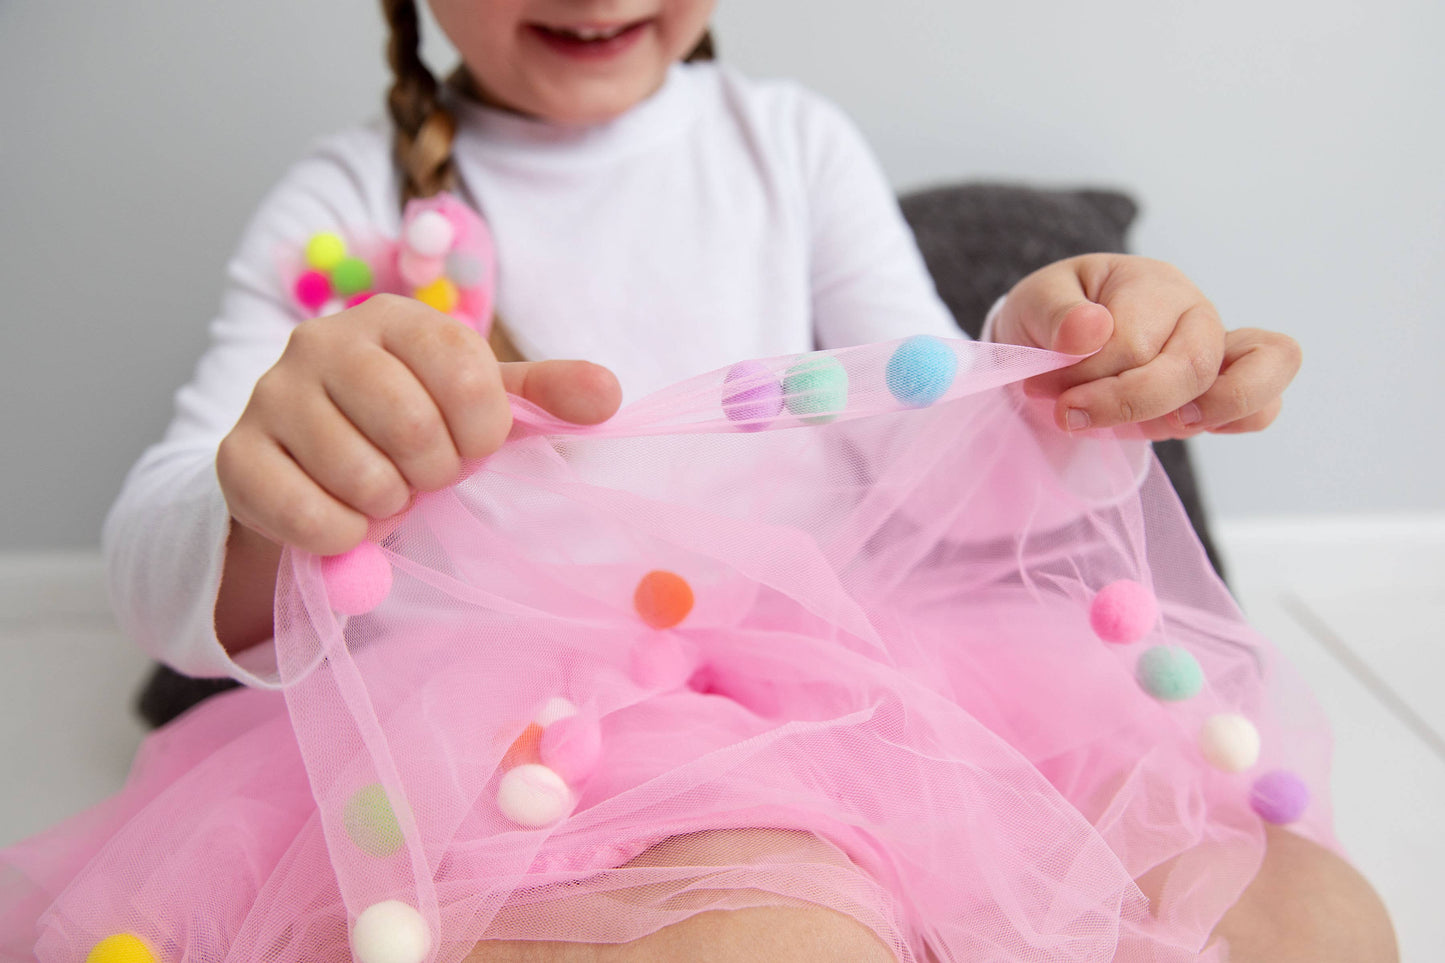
x=1190 y=414
x=1076 y=419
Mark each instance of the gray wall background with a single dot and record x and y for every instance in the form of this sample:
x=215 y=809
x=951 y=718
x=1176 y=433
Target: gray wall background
x=1289 y=155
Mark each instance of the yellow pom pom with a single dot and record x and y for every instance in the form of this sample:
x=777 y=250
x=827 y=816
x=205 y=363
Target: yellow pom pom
x=325 y=251
x=440 y=294
x=121 y=948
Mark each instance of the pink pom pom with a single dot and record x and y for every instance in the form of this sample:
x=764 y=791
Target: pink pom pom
x=662 y=662
x=571 y=746
x=419 y=271
x=356 y=299
x=1123 y=611
x=312 y=290
x=357 y=581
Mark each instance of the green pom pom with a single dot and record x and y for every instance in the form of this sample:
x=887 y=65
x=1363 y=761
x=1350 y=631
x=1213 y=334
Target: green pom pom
x=351 y=276
x=370 y=822
x=1169 y=673
x=816 y=389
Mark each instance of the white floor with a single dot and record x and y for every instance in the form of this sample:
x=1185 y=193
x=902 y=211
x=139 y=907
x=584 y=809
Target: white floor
x=1357 y=603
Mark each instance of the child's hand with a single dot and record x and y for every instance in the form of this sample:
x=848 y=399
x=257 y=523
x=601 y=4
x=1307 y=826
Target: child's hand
x=376 y=402
x=1164 y=359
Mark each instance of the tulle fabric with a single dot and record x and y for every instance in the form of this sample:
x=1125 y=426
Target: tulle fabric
x=886 y=698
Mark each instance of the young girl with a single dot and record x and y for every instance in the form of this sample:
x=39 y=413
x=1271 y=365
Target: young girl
x=660 y=219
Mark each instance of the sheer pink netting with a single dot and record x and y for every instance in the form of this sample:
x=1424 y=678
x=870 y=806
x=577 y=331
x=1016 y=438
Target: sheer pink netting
x=884 y=693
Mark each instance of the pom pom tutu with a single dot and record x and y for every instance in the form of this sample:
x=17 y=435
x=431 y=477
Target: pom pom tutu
x=868 y=680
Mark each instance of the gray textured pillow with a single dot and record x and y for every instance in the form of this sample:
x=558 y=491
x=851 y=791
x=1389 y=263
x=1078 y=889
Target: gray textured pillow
x=981 y=239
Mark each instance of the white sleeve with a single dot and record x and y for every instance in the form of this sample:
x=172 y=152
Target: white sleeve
x=869 y=282
x=164 y=539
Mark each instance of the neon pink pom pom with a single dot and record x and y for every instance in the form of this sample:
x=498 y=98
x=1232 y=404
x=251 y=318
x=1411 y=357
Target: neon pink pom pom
x=662 y=662
x=571 y=746
x=419 y=271
x=312 y=290
x=1123 y=611
x=357 y=581
x=356 y=299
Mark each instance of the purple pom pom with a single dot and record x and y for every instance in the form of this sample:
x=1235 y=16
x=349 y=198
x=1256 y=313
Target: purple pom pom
x=759 y=399
x=357 y=581
x=1279 y=797
x=1123 y=611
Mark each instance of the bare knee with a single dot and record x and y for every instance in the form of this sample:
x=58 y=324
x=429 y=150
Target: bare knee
x=1307 y=906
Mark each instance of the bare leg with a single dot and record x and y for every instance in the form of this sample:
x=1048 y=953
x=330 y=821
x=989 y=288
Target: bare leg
x=1307 y=906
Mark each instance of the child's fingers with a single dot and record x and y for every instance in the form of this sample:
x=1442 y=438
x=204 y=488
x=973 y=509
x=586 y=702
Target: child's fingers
x=458 y=371
x=382 y=397
x=324 y=443
x=269 y=493
x=1256 y=422
x=1185 y=368
x=1257 y=367
x=1051 y=309
x=577 y=391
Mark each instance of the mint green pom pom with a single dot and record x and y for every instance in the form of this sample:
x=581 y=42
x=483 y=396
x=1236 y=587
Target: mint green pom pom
x=371 y=823
x=816 y=389
x=1169 y=673
x=351 y=276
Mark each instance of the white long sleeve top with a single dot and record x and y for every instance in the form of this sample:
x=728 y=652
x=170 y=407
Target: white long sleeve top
x=720 y=219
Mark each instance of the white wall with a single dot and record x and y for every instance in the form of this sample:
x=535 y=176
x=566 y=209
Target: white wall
x=1288 y=155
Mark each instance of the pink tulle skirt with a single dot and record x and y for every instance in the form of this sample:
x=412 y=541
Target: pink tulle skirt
x=858 y=630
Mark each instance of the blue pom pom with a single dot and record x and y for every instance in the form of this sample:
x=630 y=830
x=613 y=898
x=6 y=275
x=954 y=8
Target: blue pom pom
x=921 y=371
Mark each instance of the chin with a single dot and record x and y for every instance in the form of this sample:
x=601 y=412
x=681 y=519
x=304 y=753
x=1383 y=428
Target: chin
x=594 y=104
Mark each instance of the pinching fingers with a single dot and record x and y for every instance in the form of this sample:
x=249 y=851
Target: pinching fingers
x=1184 y=369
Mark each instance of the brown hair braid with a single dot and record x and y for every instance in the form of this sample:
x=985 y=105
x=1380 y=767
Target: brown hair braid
x=424 y=129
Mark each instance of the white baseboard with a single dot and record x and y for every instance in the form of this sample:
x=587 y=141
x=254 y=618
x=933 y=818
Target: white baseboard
x=1337 y=551
x=35 y=586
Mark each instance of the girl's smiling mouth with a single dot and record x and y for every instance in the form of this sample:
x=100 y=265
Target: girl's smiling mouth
x=590 y=41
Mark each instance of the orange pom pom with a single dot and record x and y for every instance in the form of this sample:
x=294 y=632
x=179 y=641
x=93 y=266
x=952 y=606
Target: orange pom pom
x=440 y=294
x=662 y=599
x=526 y=748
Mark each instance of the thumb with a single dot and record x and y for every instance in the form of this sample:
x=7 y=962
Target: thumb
x=1049 y=309
x=577 y=391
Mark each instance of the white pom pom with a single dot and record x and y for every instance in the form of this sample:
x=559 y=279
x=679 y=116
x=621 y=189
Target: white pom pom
x=430 y=234
x=555 y=708
x=1229 y=741
x=390 y=932
x=532 y=795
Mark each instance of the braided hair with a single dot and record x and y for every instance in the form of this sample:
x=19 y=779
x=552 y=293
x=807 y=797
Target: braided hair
x=424 y=128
